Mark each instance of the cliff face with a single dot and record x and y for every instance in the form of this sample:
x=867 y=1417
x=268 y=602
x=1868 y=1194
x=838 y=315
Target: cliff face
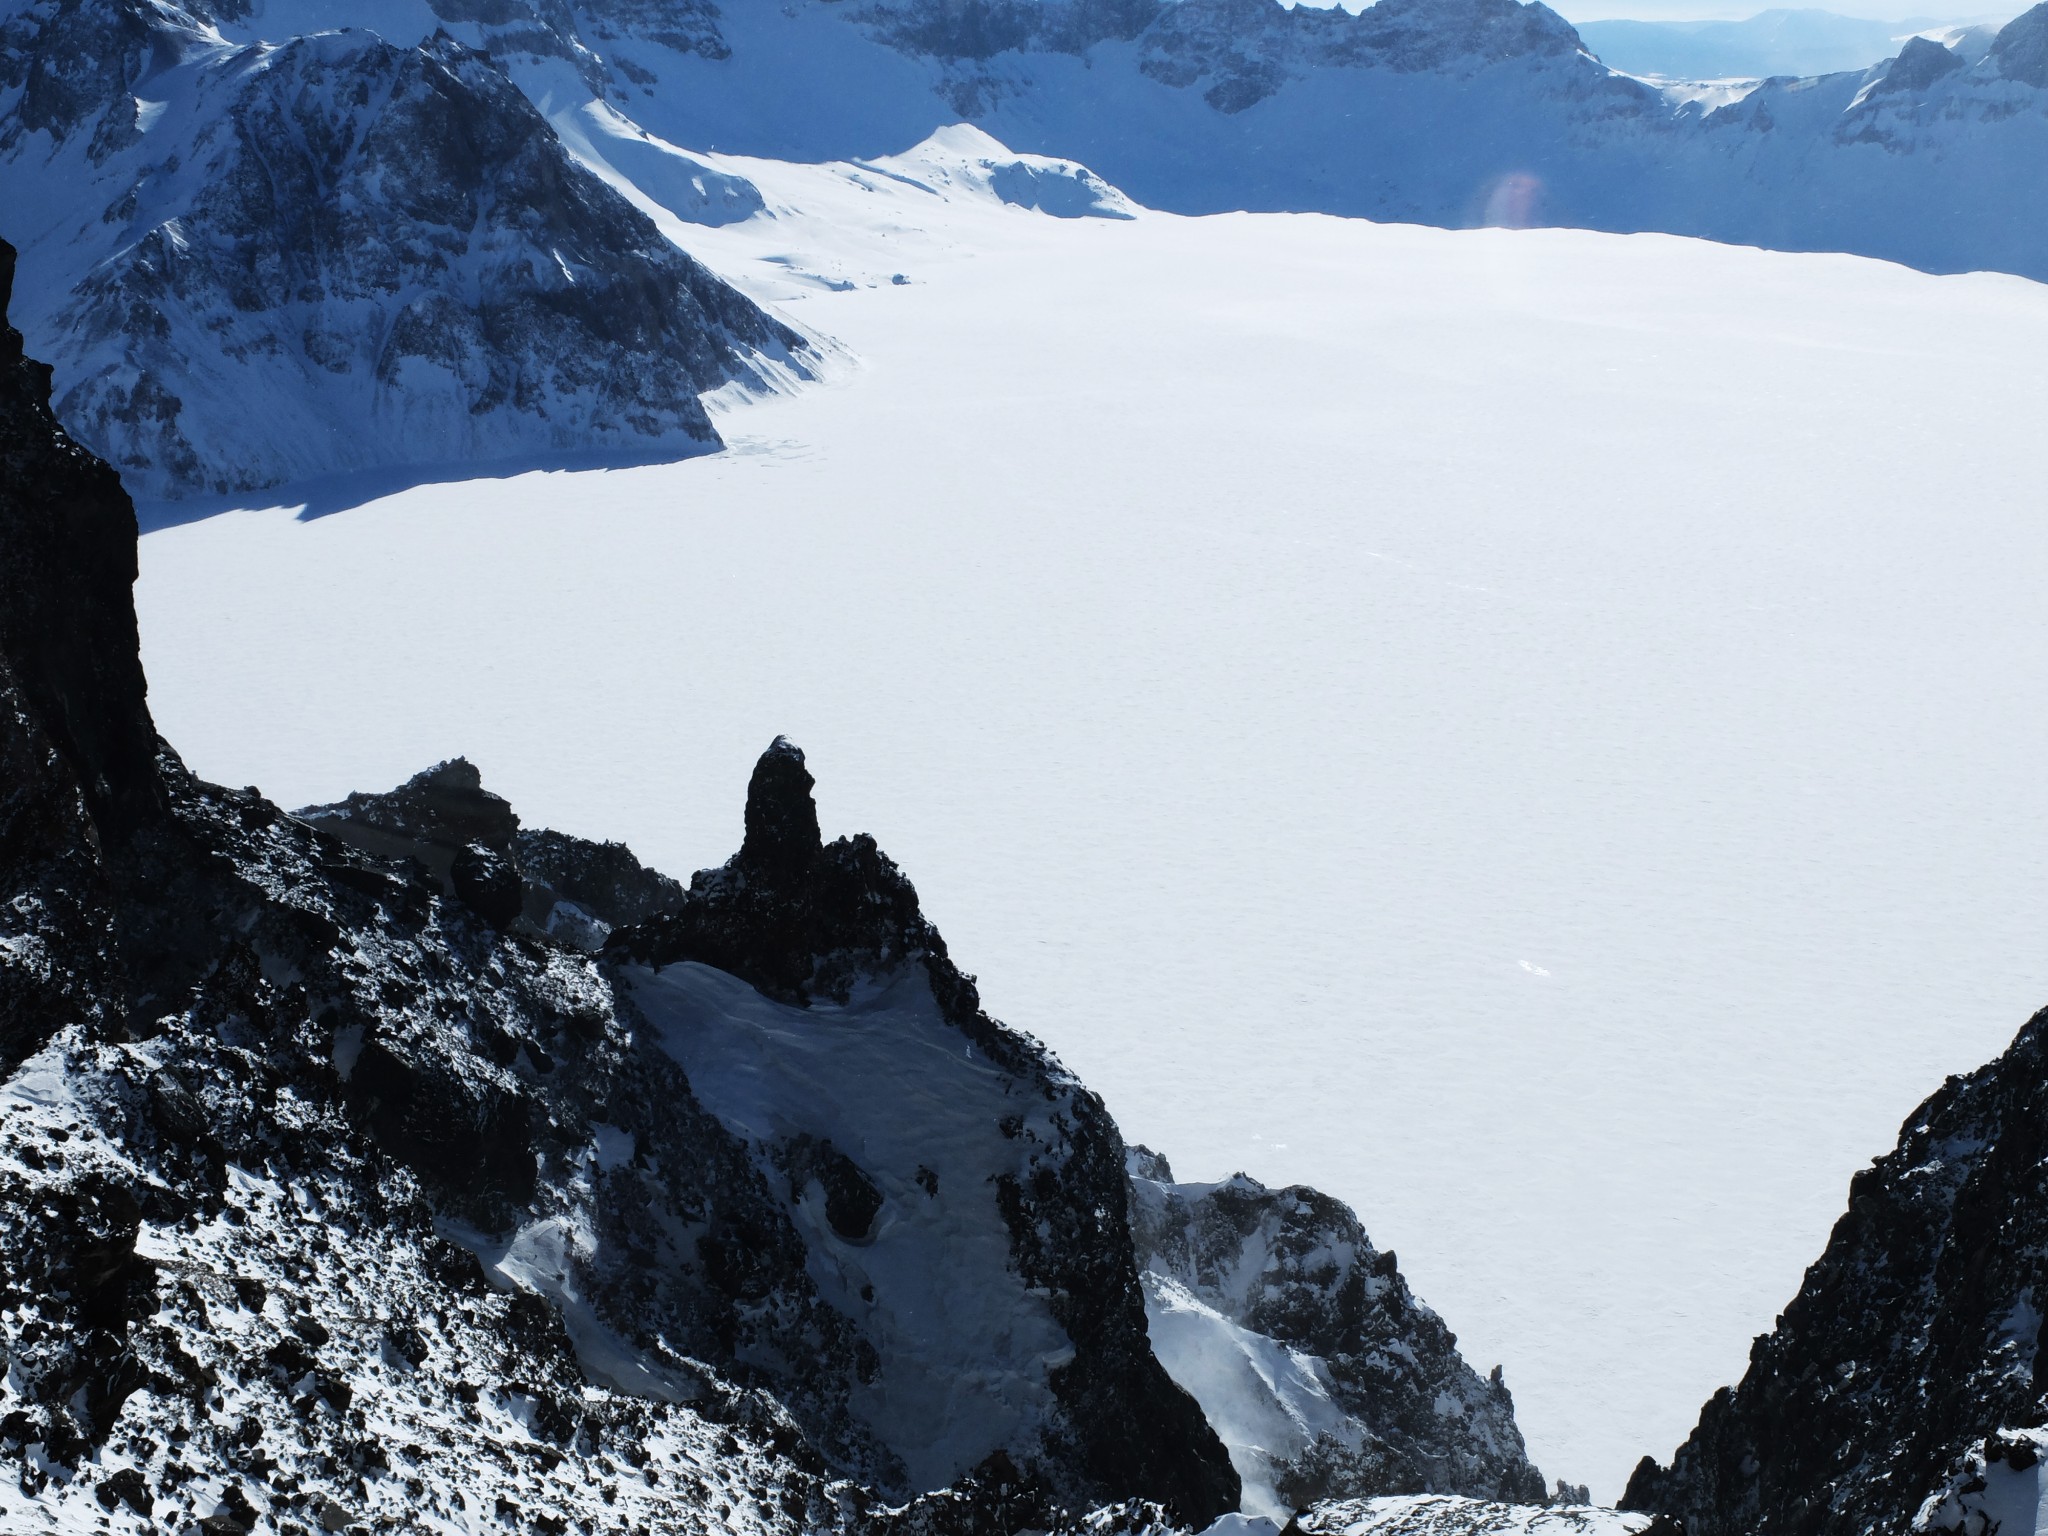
x=1903 y=1388
x=67 y=624
x=77 y=749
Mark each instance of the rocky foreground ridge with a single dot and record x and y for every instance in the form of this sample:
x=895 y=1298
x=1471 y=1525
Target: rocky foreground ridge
x=390 y=1166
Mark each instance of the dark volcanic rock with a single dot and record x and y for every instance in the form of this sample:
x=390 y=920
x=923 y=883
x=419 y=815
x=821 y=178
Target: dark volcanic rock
x=782 y=837
x=603 y=879
x=471 y=843
x=433 y=816
x=1908 y=1369
x=488 y=883
x=78 y=777
x=67 y=625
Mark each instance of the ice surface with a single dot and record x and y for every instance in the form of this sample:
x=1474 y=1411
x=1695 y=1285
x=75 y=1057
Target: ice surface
x=1535 y=733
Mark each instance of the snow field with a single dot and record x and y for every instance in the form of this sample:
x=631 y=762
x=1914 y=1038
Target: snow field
x=1535 y=733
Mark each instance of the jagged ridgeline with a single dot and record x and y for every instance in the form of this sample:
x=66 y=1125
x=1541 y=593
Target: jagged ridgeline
x=390 y=1166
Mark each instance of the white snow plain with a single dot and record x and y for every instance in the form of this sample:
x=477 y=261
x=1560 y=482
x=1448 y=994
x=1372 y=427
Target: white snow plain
x=1537 y=733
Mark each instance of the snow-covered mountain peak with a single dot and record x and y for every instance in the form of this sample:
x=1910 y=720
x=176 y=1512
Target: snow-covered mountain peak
x=387 y=245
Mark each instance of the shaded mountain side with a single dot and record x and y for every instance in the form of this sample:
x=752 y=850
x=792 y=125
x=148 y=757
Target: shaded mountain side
x=67 y=626
x=77 y=748
x=1903 y=1388
x=1345 y=1385
x=344 y=1182
x=387 y=245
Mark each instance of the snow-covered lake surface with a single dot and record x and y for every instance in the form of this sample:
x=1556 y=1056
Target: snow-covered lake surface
x=1540 y=734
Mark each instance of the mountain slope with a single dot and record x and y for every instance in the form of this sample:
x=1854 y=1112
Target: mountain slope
x=416 y=266
x=1442 y=111
x=259 y=264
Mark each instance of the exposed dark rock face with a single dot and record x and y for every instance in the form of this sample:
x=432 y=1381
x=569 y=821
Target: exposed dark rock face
x=1295 y=1266
x=604 y=879
x=782 y=839
x=1919 y=64
x=688 y=26
x=432 y=817
x=2020 y=51
x=1241 y=51
x=67 y=625
x=387 y=244
x=980 y=29
x=1908 y=1369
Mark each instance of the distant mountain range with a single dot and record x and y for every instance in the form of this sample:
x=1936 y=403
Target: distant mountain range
x=1777 y=42
x=431 y=244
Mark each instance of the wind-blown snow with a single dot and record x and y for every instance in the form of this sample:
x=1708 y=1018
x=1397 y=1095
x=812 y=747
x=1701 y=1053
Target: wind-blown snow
x=1535 y=733
x=1266 y=1402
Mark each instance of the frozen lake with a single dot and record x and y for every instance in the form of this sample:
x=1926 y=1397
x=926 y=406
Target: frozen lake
x=1539 y=734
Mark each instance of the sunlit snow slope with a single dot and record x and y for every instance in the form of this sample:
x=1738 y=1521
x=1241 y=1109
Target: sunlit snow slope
x=1535 y=733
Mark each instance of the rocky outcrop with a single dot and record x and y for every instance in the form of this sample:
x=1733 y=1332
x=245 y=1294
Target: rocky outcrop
x=1919 y=64
x=809 y=923
x=1903 y=1387
x=1328 y=1378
